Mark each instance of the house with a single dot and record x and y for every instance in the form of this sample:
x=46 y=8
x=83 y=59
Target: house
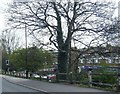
x=97 y=55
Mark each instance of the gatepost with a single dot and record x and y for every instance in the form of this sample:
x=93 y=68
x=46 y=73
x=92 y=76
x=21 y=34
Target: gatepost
x=90 y=77
x=118 y=81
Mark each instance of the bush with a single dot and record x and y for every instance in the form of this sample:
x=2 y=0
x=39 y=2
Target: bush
x=105 y=75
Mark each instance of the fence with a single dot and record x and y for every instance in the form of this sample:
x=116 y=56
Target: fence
x=100 y=77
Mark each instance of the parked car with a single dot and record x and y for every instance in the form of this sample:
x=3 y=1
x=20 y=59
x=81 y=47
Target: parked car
x=35 y=75
x=49 y=77
x=44 y=76
x=90 y=67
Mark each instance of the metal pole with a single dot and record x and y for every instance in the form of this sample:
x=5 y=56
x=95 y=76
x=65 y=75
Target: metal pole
x=26 y=51
x=0 y=56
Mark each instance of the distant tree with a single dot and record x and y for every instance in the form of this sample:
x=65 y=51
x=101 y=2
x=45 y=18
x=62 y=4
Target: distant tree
x=112 y=34
x=10 y=41
x=35 y=59
x=4 y=57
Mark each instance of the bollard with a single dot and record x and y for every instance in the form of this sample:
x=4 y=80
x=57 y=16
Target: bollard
x=40 y=78
x=57 y=77
x=118 y=82
x=71 y=78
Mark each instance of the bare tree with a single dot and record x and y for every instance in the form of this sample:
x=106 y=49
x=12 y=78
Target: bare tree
x=113 y=33
x=63 y=21
x=10 y=41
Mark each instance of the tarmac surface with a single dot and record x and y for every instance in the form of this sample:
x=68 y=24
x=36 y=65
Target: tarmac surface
x=41 y=86
x=10 y=87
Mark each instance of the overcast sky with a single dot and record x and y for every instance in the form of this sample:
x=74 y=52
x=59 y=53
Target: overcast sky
x=3 y=6
x=4 y=3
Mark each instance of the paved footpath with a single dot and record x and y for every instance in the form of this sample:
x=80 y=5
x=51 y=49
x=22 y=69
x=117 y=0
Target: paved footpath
x=48 y=87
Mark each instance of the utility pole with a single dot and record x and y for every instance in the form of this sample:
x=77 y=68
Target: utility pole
x=26 y=51
x=118 y=70
x=0 y=56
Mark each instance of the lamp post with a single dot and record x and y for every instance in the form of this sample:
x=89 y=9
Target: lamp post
x=26 y=52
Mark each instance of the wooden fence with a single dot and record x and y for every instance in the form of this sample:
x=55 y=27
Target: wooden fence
x=103 y=77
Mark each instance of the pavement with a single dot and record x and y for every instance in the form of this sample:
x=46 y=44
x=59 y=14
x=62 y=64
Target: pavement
x=48 y=87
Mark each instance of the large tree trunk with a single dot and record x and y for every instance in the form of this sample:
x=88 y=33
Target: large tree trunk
x=63 y=63
x=63 y=46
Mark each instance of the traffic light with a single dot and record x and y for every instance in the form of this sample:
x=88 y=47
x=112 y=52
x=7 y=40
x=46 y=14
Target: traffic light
x=7 y=62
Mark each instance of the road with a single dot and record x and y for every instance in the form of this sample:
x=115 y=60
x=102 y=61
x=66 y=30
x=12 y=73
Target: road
x=49 y=87
x=10 y=87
